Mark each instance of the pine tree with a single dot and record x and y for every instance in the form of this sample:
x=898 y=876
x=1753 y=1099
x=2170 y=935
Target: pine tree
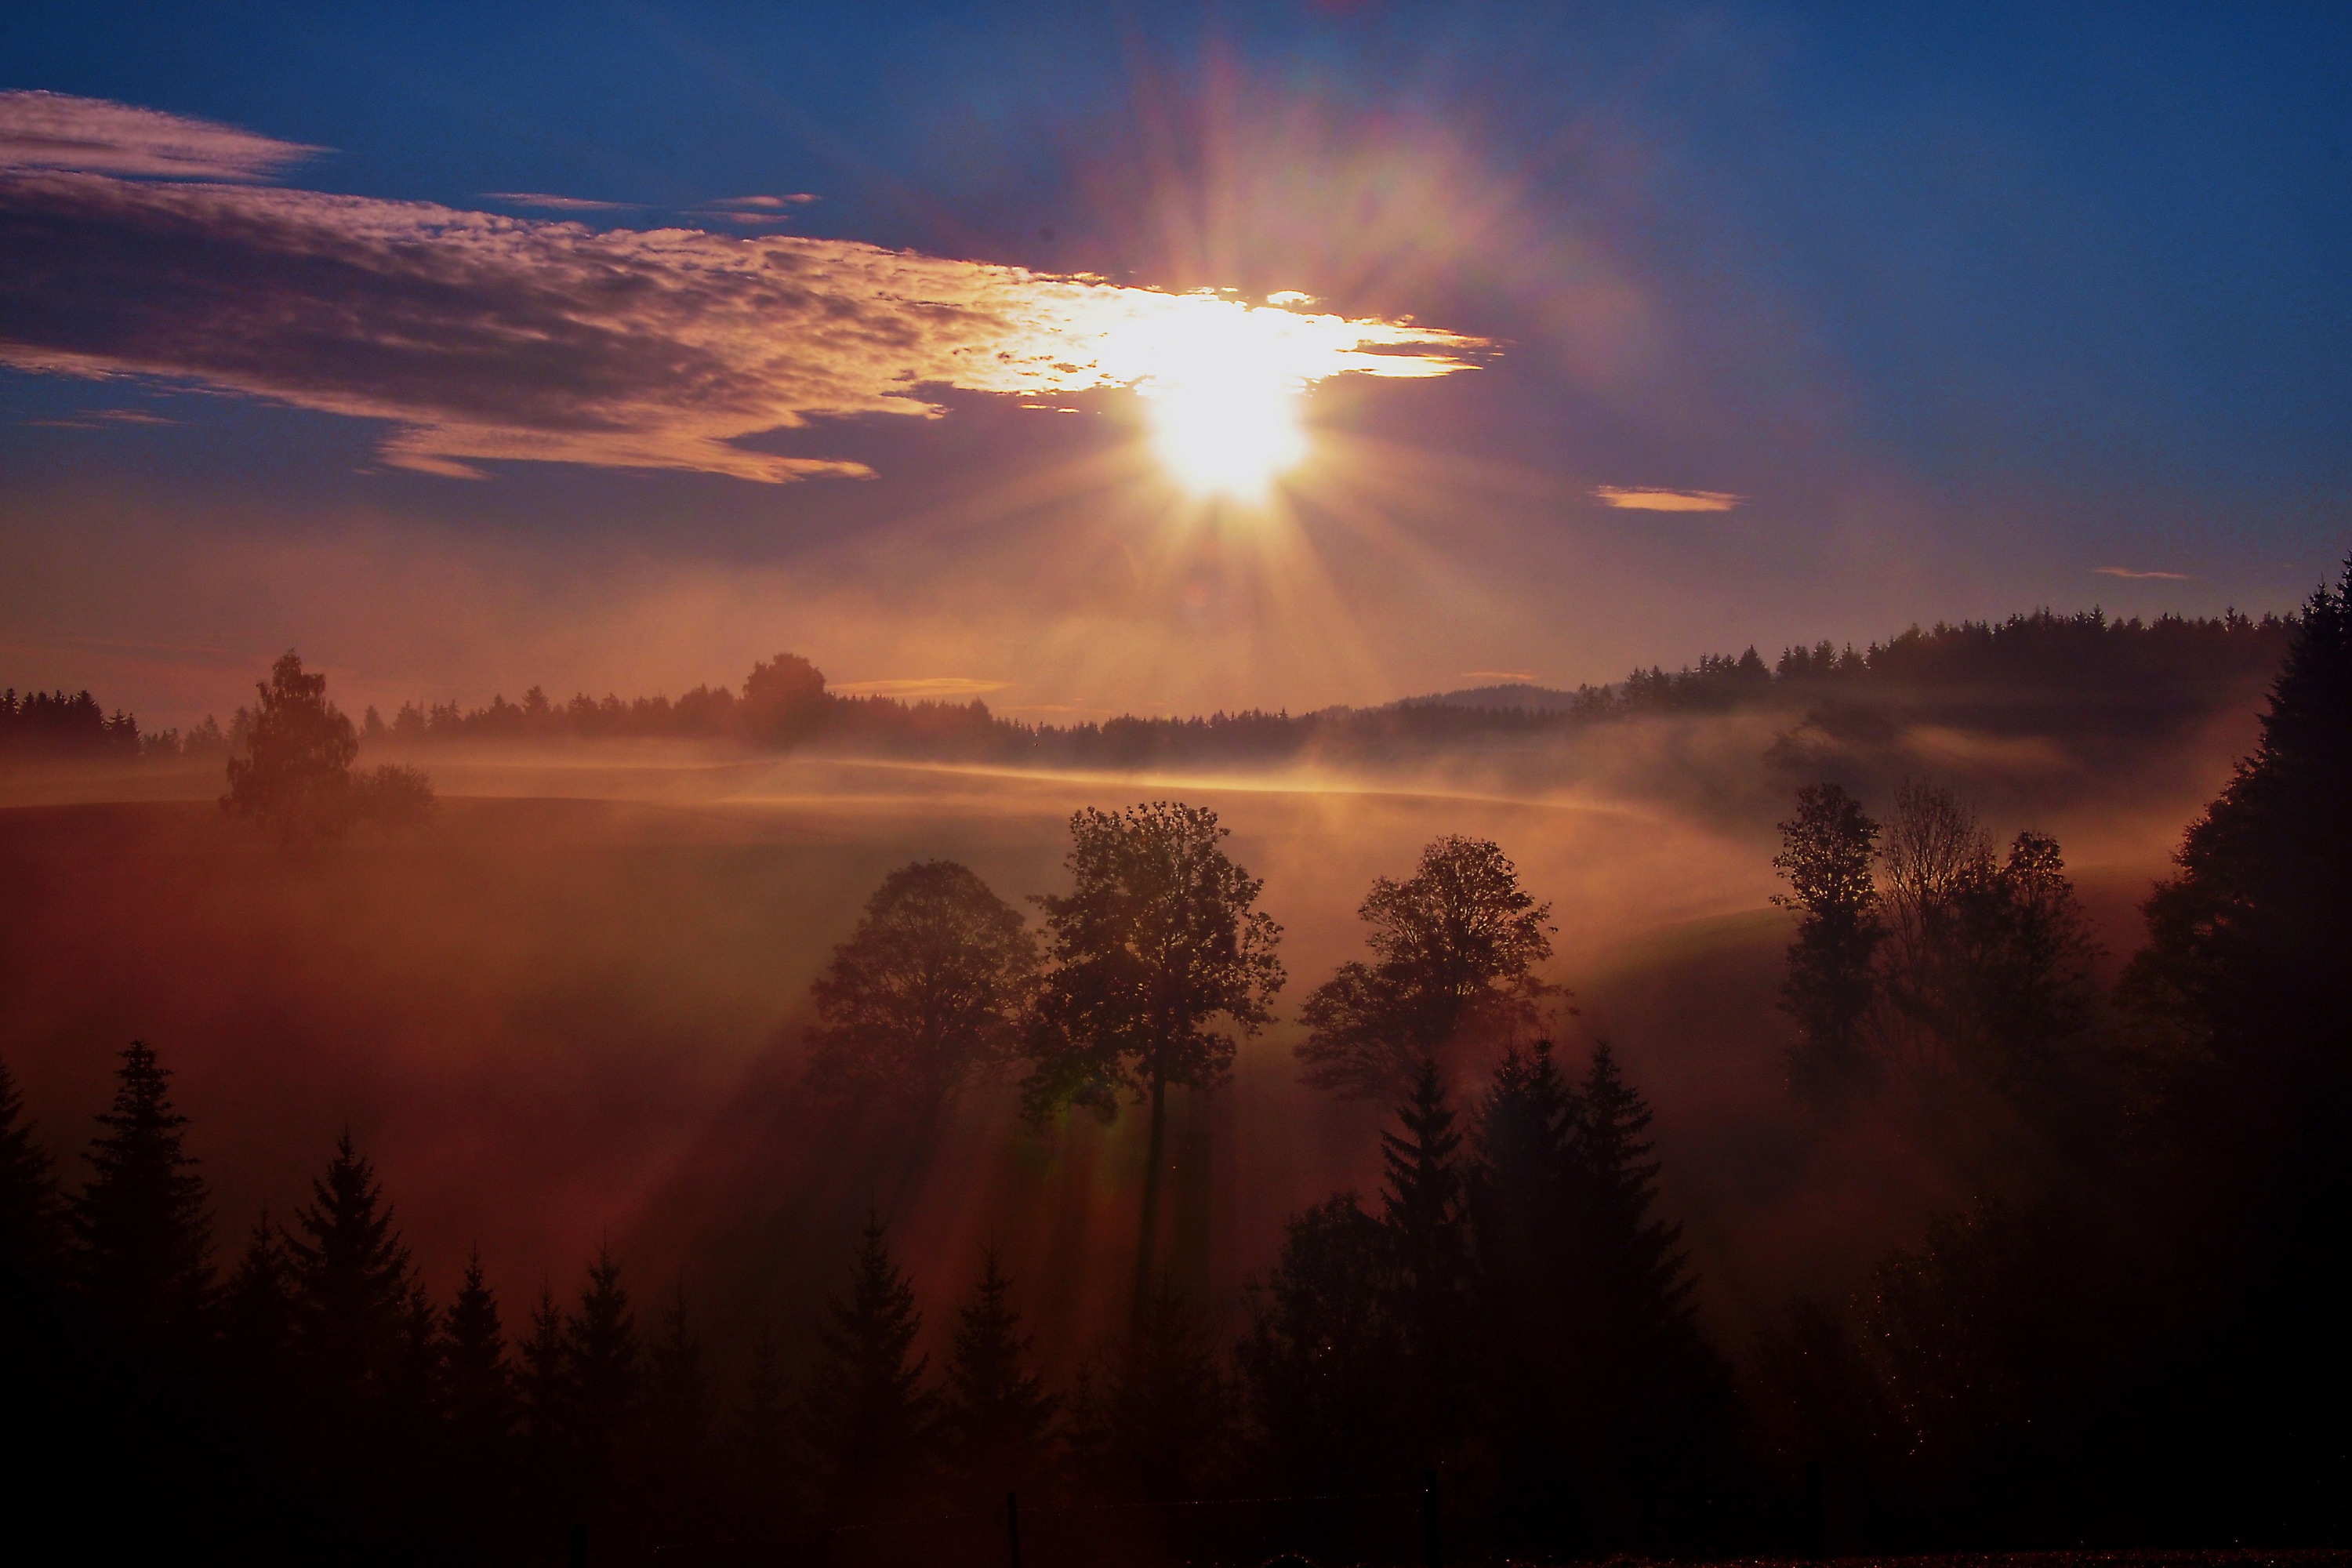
x=866 y=1414
x=140 y=1235
x=1528 y=1211
x=477 y=1383
x=353 y=1325
x=29 y=1229
x=763 y=1434
x=1168 y=1411
x=545 y=1382
x=1422 y=1202
x=997 y=1411
x=257 y=1326
x=1655 y=1396
x=604 y=1366
x=678 y=1391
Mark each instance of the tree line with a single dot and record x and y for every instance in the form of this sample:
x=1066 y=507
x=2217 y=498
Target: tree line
x=2039 y=673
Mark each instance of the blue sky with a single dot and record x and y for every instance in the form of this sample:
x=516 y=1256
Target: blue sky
x=1966 y=303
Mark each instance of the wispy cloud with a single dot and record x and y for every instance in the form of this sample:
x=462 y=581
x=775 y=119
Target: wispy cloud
x=1652 y=499
x=1495 y=675
x=761 y=204
x=481 y=336
x=920 y=688
x=547 y=203
x=55 y=131
x=2128 y=572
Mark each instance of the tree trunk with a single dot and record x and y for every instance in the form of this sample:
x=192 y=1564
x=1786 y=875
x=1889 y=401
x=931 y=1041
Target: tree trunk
x=1149 y=1231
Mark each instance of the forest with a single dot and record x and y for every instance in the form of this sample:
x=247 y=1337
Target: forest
x=2041 y=674
x=2129 y=1334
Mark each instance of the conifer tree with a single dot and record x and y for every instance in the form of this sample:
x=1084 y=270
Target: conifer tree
x=678 y=1387
x=1168 y=1410
x=997 y=1411
x=28 y=1193
x=866 y=1415
x=1422 y=1203
x=604 y=1366
x=544 y=1384
x=353 y=1282
x=257 y=1325
x=140 y=1235
x=478 y=1382
x=763 y=1434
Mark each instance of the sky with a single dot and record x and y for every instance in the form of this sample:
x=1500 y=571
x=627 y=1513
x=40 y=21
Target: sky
x=614 y=347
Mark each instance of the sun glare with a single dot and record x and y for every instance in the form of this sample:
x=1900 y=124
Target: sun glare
x=1223 y=383
x=1230 y=438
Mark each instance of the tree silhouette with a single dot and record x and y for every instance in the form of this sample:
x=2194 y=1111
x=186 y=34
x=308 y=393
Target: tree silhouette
x=1827 y=850
x=1156 y=938
x=996 y=1413
x=1422 y=1205
x=866 y=1415
x=141 y=1234
x=928 y=990
x=677 y=1428
x=1455 y=944
x=29 y=1220
x=763 y=1433
x=784 y=701
x=1167 y=1411
x=604 y=1364
x=257 y=1326
x=544 y=1383
x=351 y=1286
x=296 y=782
x=1324 y=1362
x=478 y=1381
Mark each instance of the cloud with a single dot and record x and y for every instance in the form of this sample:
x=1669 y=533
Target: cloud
x=919 y=688
x=481 y=336
x=2128 y=572
x=1647 y=500
x=1496 y=675
x=54 y=131
x=559 y=204
x=759 y=203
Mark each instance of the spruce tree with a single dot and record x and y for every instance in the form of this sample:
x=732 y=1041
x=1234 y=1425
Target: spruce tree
x=1168 y=1412
x=353 y=1320
x=140 y=1232
x=257 y=1326
x=604 y=1367
x=544 y=1381
x=1527 y=1208
x=29 y=1230
x=477 y=1380
x=997 y=1411
x=866 y=1415
x=675 y=1433
x=762 y=1437
x=1422 y=1203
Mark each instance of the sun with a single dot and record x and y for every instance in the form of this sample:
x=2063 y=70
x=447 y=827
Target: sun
x=1227 y=437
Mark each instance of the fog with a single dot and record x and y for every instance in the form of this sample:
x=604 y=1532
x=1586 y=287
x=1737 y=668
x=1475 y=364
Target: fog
x=568 y=1013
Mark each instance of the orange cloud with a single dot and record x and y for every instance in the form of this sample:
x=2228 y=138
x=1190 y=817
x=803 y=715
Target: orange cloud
x=482 y=337
x=920 y=688
x=54 y=131
x=1653 y=500
x=2128 y=572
